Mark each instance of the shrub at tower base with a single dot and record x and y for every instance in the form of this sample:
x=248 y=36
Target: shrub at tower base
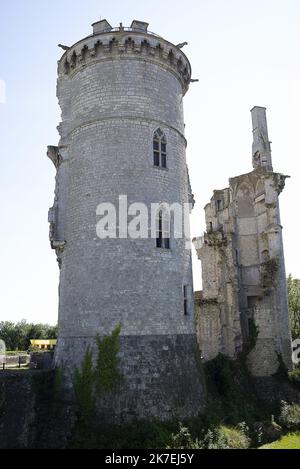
x=235 y=417
x=36 y=414
x=91 y=383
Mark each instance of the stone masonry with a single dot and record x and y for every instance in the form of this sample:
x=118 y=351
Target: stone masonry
x=116 y=88
x=243 y=271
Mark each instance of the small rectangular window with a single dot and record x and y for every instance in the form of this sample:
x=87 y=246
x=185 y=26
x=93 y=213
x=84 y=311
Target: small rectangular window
x=163 y=160
x=164 y=148
x=237 y=256
x=219 y=205
x=155 y=145
x=159 y=242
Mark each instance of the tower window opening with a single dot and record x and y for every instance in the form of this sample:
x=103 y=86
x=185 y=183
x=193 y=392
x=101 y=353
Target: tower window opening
x=237 y=260
x=219 y=205
x=159 y=149
x=185 y=300
x=163 y=229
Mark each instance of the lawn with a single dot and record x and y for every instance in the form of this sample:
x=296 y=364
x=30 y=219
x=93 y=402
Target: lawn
x=290 y=441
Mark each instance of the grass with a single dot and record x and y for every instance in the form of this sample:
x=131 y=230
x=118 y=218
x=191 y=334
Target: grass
x=289 y=441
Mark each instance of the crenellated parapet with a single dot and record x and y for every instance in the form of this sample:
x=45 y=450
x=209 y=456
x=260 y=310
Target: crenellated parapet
x=121 y=43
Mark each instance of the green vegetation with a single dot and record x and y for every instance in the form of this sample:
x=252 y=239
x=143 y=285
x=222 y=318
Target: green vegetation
x=91 y=383
x=47 y=384
x=170 y=435
x=84 y=384
x=222 y=437
x=84 y=389
x=107 y=373
x=289 y=416
x=17 y=335
x=251 y=342
x=289 y=441
x=294 y=376
x=269 y=271
x=293 y=285
x=234 y=418
x=233 y=399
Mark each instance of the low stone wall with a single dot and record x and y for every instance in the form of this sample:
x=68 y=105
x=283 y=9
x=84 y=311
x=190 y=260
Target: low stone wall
x=29 y=418
x=17 y=410
x=42 y=360
x=39 y=360
x=14 y=360
x=32 y=415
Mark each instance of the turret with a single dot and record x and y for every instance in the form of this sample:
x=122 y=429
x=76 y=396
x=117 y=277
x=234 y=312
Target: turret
x=122 y=144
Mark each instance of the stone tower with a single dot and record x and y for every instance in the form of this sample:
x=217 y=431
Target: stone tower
x=122 y=134
x=244 y=281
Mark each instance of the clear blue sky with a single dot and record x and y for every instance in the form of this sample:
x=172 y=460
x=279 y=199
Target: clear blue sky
x=244 y=53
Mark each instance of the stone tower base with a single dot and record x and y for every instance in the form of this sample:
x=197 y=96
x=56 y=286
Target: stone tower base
x=162 y=377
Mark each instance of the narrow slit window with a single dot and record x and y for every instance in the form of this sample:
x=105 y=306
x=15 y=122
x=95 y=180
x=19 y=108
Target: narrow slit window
x=185 y=300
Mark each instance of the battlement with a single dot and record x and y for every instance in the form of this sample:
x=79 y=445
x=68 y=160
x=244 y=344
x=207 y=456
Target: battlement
x=134 y=42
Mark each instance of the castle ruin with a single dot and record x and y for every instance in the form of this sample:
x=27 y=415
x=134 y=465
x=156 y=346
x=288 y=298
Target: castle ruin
x=122 y=134
x=243 y=272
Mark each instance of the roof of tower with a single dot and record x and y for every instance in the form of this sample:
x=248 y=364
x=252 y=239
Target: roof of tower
x=103 y=26
x=132 y=41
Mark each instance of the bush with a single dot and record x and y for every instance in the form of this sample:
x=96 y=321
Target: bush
x=290 y=416
x=294 y=376
x=221 y=437
x=107 y=374
x=230 y=385
x=184 y=440
x=265 y=432
x=235 y=437
x=289 y=441
x=83 y=382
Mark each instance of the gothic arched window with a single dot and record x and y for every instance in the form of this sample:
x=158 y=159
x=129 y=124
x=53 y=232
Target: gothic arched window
x=163 y=229
x=159 y=149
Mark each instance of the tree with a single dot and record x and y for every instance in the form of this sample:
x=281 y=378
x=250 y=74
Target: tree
x=17 y=335
x=293 y=285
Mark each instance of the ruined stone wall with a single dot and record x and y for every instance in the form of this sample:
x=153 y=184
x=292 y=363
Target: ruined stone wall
x=243 y=264
x=29 y=415
x=208 y=321
x=17 y=410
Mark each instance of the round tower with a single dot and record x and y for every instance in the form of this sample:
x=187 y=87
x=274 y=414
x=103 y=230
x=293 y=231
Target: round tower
x=122 y=142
